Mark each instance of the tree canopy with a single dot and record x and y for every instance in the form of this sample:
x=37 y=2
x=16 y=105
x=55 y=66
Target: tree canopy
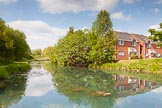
x=87 y=47
x=13 y=45
x=156 y=35
x=102 y=25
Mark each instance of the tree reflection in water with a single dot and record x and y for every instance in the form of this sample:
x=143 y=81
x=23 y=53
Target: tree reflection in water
x=12 y=90
x=83 y=86
x=87 y=87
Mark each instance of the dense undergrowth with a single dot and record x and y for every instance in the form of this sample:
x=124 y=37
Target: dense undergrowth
x=13 y=68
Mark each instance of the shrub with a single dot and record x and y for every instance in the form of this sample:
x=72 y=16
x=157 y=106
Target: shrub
x=3 y=72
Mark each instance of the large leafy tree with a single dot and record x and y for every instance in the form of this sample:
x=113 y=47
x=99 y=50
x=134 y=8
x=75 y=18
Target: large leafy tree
x=13 y=45
x=6 y=43
x=103 y=51
x=20 y=47
x=85 y=47
x=71 y=50
x=156 y=35
x=102 y=25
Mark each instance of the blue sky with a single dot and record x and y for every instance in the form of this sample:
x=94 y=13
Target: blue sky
x=46 y=21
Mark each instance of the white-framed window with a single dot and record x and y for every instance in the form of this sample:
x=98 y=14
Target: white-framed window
x=158 y=54
x=121 y=53
x=134 y=42
x=121 y=42
x=148 y=45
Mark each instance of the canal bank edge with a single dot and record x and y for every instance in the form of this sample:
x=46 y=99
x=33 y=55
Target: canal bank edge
x=137 y=66
x=10 y=69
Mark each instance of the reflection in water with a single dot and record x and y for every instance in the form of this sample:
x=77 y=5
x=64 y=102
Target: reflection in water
x=12 y=90
x=126 y=85
x=60 y=87
x=39 y=83
x=83 y=86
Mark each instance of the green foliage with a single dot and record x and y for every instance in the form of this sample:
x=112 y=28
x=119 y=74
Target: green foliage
x=144 y=66
x=13 y=44
x=71 y=50
x=156 y=35
x=84 y=47
x=3 y=72
x=37 y=53
x=18 y=67
x=81 y=85
x=13 y=68
x=133 y=56
x=141 y=57
x=47 y=52
x=103 y=25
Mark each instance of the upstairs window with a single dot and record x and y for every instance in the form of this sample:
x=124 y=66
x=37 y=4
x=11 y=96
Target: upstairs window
x=134 y=42
x=121 y=42
x=121 y=53
x=148 y=45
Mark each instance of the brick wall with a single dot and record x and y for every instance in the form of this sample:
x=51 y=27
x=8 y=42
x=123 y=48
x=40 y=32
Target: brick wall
x=124 y=48
x=156 y=49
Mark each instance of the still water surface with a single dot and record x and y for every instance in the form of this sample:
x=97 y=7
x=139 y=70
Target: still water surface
x=46 y=86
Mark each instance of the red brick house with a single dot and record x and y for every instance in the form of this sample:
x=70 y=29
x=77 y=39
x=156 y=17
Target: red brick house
x=126 y=85
x=135 y=46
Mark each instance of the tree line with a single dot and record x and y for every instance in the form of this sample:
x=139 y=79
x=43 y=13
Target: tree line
x=86 y=47
x=13 y=45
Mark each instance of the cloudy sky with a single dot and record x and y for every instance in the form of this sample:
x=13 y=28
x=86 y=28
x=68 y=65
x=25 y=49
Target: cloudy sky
x=45 y=21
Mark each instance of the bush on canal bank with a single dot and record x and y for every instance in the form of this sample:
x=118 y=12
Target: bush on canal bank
x=144 y=66
x=13 y=68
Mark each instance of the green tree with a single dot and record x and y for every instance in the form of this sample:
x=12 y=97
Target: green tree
x=85 y=47
x=156 y=35
x=47 y=52
x=102 y=25
x=5 y=41
x=13 y=45
x=71 y=50
x=103 y=51
x=37 y=53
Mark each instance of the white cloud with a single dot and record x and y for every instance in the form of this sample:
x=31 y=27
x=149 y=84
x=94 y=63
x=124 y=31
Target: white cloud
x=61 y=6
x=156 y=10
x=155 y=26
x=8 y=1
x=121 y=16
x=39 y=34
x=130 y=1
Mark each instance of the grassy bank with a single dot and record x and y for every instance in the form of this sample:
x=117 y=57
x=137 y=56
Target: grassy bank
x=142 y=66
x=13 y=68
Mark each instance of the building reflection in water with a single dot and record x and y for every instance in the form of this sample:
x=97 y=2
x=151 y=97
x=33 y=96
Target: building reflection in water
x=126 y=85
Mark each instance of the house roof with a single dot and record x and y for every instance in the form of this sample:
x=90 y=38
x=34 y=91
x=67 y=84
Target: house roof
x=125 y=36
x=142 y=37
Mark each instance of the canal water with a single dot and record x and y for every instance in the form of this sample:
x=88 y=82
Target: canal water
x=49 y=86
